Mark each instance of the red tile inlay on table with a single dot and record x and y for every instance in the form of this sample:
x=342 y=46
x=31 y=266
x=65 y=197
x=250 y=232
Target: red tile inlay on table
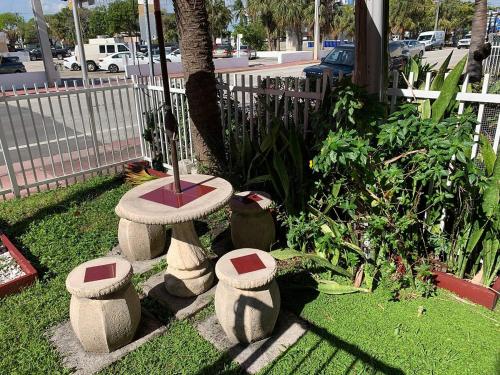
x=247 y=263
x=250 y=198
x=166 y=194
x=102 y=272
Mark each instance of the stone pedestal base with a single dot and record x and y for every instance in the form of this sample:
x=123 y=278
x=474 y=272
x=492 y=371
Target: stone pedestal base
x=108 y=323
x=247 y=315
x=141 y=241
x=253 y=230
x=189 y=272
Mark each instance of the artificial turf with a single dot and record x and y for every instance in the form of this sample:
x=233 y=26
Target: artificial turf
x=349 y=334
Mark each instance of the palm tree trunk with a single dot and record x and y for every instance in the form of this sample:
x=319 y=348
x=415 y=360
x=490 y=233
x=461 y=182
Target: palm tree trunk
x=475 y=67
x=201 y=91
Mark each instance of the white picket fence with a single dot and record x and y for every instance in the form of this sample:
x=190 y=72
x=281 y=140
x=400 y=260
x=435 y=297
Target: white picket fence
x=247 y=103
x=62 y=135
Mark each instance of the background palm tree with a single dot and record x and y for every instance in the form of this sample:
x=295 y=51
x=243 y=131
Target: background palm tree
x=201 y=91
x=219 y=17
x=475 y=65
x=239 y=12
x=263 y=11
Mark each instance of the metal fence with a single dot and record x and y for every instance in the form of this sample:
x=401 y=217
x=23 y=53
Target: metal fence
x=50 y=137
x=492 y=64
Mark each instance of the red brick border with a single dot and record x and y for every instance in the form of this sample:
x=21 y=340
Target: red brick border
x=21 y=282
x=479 y=294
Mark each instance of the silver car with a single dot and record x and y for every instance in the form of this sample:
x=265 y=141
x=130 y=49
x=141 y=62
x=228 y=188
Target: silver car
x=416 y=48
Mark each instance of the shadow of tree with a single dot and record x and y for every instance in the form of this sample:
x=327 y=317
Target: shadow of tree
x=78 y=196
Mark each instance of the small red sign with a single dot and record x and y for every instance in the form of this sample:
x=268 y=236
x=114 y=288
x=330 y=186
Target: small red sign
x=102 y=272
x=247 y=263
x=166 y=194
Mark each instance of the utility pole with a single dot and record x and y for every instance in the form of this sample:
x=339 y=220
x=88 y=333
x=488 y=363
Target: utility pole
x=43 y=37
x=79 y=40
x=436 y=21
x=316 y=31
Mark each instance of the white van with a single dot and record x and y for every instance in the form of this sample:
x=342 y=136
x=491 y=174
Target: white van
x=99 y=48
x=432 y=39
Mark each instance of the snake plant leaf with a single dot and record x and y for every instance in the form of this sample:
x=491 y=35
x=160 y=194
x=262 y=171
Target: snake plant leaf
x=414 y=69
x=322 y=262
x=492 y=192
x=437 y=83
x=425 y=109
x=448 y=91
x=334 y=288
x=259 y=179
x=296 y=153
x=280 y=169
x=488 y=154
x=284 y=254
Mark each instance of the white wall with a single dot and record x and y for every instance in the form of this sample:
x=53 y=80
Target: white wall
x=19 y=79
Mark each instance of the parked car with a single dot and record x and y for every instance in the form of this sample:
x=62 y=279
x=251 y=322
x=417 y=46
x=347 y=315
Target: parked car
x=432 y=39
x=340 y=60
x=99 y=48
x=116 y=62
x=11 y=65
x=222 y=50
x=399 y=55
x=174 y=56
x=465 y=42
x=247 y=51
x=416 y=48
x=71 y=63
x=57 y=52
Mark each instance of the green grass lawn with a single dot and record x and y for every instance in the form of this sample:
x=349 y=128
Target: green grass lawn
x=351 y=334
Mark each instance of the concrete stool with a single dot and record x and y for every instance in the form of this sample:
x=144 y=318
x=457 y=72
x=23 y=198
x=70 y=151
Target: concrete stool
x=105 y=310
x=252 y=224
x=141 y=241
x=247 y=298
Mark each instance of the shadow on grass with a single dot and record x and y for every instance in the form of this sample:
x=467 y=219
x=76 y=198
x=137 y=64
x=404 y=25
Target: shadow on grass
x=295 y=299
x=76 y=197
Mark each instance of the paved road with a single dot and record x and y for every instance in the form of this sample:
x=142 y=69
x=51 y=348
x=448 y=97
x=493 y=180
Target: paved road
x=264 y=66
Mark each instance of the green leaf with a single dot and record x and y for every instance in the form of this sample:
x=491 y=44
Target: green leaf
x=284 y=254
x=437 y=83
x=488 y=154
x=332 y=287
x=492 y=192
x=425 y=109
x=259 y=179
x=279 y=167
x=414 y=69
x=448 y=91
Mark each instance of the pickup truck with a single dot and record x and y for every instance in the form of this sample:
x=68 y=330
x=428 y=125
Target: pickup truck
x=60 y=53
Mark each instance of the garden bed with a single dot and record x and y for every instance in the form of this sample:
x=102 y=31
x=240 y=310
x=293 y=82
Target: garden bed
x=16 y=272
x=479 y=294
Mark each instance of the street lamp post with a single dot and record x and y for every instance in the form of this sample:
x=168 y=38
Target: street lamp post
x=148 y=33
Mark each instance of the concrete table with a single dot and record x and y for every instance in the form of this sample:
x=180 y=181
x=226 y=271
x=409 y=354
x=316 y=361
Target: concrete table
x=247 y=299
x=252 y=224
x=104 y=310
x=189 y=272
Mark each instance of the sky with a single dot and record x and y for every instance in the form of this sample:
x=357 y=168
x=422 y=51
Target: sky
x=23 y=7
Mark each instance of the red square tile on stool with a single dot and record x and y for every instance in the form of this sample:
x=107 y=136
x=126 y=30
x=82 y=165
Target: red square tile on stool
x=102 y=272
x=247 y=263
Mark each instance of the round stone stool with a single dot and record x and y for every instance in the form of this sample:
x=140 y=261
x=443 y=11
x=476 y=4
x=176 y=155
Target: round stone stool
x=105 y=309
x=247 y=298
x=141 y=241
x=252 y=225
